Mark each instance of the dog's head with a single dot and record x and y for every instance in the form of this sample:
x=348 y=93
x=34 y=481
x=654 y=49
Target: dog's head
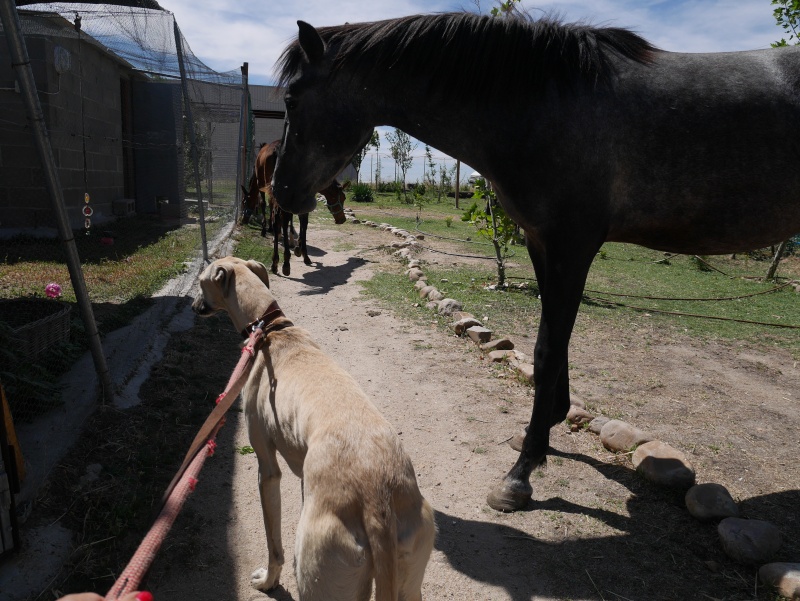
x=238 y=287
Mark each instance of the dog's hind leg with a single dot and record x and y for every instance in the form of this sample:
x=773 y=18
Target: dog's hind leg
x=415 y=552
x=269 y=480
x=331 y=558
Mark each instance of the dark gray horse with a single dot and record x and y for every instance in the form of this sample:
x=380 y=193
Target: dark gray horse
x=588 y=135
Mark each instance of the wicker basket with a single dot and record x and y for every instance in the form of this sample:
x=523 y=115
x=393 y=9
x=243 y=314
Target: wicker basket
x=37 y=324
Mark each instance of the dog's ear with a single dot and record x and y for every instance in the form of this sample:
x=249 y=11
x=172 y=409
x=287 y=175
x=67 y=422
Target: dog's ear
x=223 y=279
x=260 y=270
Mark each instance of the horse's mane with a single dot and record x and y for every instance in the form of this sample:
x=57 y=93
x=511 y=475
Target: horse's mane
x=466 y=51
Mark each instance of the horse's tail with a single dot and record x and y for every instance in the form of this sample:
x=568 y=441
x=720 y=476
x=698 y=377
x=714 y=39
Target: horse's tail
x=380 y=523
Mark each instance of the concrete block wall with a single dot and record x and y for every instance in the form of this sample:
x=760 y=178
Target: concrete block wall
x=24 y=202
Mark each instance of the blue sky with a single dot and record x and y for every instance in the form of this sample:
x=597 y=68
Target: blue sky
x=226 y=34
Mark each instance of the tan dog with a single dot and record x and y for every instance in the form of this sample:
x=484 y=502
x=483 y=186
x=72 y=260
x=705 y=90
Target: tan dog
x=363 y=516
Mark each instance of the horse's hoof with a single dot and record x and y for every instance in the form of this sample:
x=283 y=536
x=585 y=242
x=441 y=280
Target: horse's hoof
x=517 y=440
x=263 y=234
x=286 y=269
x=510 y=496
x=297 y=252
x=274 y=269
x=307 y=261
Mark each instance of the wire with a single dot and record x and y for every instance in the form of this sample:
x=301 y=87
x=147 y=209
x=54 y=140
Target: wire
x=682 y=314
x=452 y=239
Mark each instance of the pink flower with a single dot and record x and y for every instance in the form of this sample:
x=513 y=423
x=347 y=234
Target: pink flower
x=52 y=290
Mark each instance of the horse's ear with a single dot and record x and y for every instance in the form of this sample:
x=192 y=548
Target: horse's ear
x=223 y=280
x=310 y=42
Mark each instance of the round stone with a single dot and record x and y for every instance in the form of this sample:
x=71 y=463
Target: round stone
x=749 y=541
x=711 y=502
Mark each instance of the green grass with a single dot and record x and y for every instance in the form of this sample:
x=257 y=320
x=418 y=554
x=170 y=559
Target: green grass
x=435 y=219
x=146 y=253
x=625 y=269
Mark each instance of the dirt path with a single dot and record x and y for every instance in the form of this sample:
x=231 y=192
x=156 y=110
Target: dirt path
x=596 y=530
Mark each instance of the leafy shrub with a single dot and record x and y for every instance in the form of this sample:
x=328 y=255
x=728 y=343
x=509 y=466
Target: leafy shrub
x=361 y=192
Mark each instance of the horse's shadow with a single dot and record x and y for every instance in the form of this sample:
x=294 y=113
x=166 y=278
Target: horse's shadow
x=658 y=551
x=324 y=280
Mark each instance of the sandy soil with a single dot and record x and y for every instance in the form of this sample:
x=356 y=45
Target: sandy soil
x=595 y=529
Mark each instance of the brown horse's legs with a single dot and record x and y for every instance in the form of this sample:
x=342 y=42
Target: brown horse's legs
x=266 y=220
x=303 y=219
x=564 y=268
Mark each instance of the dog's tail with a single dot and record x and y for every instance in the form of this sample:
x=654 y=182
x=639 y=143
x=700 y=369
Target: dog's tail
x=380 y=524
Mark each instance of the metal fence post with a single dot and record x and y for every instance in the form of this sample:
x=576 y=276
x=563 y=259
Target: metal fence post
x=192 y=140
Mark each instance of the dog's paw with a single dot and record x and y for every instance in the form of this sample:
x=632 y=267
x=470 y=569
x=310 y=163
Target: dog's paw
x=265 y=581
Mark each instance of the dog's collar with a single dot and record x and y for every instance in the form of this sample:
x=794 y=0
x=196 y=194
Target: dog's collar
x=267 y=322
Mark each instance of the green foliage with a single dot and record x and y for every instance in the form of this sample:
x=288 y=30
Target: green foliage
x=505 y=230
x=787 y=15
x=418 y=193
x=493 y=223
x=505 y=8
x=361 y=193
x=401 y=149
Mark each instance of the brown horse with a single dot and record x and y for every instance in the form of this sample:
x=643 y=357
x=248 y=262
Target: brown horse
x=281 y=221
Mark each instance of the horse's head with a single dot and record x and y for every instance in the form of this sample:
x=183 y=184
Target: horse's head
x=323 y=128
x=335 y=196
x=248 y=205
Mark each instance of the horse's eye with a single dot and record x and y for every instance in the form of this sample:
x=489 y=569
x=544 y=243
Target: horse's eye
x=291 y=103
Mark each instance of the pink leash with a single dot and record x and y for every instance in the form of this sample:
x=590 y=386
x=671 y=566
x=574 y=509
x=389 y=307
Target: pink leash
x=185 y=479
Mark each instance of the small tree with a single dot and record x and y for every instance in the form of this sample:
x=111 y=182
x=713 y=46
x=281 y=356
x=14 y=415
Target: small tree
x=430 y=176
x=492 y=223
x=358 y=158
x=445 y=180
x=401 y=148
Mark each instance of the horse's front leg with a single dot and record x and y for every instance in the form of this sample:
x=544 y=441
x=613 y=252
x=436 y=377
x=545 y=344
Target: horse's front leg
x=302 y=242
x=285 y=222
x=275 y=219
x=565 y=273
x=265 y=220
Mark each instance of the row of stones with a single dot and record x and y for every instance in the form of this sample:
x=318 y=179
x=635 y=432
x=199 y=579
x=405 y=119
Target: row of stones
x=748 y=541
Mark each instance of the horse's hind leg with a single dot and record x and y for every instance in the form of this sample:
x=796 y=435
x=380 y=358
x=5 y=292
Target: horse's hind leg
x=302 y=243
x=286 y=219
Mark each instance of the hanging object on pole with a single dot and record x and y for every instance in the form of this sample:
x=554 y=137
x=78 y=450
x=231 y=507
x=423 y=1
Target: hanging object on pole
x=87 y=213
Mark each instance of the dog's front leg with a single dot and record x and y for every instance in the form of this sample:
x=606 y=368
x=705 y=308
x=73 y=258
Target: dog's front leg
x=269 y=480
